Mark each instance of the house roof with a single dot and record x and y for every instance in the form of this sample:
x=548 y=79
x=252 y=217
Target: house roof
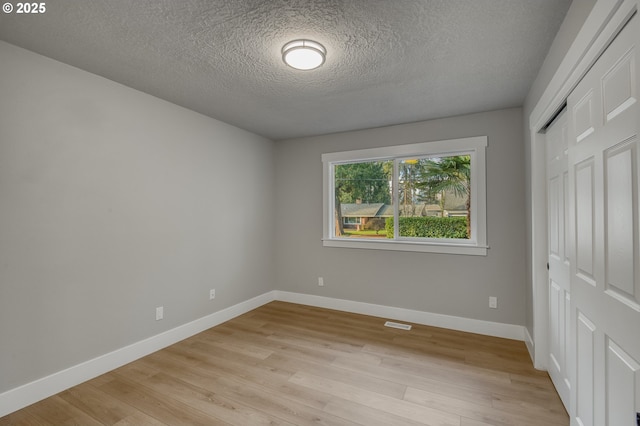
x=386 y=211
x=361 y=209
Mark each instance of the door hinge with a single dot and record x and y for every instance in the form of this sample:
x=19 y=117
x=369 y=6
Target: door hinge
x=547 y=266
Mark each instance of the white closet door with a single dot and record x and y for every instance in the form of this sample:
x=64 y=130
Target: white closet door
x=605 y=235
x=559 y=288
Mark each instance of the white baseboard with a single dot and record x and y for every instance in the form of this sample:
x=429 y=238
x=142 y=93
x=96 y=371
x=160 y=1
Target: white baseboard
x=508 y=331
x=27 y=394
x=528 y=340
x=17 y=398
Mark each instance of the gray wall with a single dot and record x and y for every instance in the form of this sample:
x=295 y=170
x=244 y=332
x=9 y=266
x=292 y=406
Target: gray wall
x=447 y=284
x=113 y=202
x=575 y=18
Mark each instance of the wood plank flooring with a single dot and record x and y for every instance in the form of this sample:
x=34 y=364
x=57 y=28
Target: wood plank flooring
x=287 y=364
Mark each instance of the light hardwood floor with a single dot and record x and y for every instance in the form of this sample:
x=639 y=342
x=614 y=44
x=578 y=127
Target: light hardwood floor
x=287 y=364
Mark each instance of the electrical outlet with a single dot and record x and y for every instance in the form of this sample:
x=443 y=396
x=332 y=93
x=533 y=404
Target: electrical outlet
x=159 y=313
x=212 y=294
x=493 y=302
x=321 y=281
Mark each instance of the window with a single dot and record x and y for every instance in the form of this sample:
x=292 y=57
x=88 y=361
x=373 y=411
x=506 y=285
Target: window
x=351 y=220
x=428 y=197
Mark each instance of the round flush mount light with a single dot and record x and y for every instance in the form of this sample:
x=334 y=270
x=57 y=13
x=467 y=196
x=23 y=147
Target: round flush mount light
x=303 y=54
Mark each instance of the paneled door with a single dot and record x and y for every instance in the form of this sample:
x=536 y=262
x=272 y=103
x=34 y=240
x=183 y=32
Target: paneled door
x=557 y=143
x=605 y=258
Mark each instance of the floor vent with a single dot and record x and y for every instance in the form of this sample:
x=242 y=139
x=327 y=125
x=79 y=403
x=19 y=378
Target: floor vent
x=397 y=325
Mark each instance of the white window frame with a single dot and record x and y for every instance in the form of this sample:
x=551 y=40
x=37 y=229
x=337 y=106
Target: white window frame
x=473 y=146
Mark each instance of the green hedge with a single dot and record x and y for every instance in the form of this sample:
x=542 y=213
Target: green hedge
x=429 y=227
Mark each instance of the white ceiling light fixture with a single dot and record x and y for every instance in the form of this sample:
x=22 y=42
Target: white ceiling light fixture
x=303 y=55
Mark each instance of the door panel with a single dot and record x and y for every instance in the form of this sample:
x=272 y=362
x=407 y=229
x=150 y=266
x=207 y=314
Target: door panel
x=567 y=348
x=556 y=308
x=554 y=216
x=584 y=220
x=623 y=380
x=618 y=86
x=567 y=223
x=604 y=217
x=620 y=174
x=557 y=203
x=585 y=364
x=583 y=117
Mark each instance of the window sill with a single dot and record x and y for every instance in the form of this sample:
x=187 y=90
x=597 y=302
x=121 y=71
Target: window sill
x=444 y=248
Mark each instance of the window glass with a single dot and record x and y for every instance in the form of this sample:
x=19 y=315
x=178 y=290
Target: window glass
x=435 y=197
x=362 y=190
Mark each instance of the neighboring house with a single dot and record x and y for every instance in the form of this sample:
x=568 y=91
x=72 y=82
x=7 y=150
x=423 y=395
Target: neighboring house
x=358 y=215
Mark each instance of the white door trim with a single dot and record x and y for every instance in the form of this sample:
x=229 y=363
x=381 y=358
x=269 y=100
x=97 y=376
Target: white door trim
x=601 y=26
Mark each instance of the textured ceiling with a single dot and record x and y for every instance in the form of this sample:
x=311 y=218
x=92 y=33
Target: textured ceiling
x=388 y=61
